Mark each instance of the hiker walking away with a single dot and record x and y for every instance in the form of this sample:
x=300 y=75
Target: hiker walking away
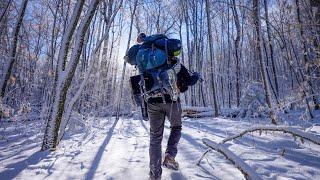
x=162 y=80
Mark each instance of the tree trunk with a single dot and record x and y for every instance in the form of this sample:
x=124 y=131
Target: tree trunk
x=237 y=54
x=13 y=52
x=64 y=80
x=271 y=49
x=307 y=62
x=256 y=17
x=229 y=60
x=211 y=50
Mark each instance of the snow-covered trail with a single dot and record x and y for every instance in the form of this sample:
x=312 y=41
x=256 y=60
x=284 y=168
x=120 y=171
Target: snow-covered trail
x=113 y=152
x=120 y=151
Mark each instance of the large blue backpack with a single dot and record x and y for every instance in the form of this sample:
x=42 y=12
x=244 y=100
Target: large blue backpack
x=155 y=50
x=158 y=77
x=149 y=56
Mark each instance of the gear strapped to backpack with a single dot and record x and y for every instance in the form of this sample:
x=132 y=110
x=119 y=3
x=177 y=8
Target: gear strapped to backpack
x=159 y=77
x=160 y=81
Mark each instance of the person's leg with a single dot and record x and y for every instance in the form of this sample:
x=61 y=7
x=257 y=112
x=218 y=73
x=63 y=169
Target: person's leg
x=156 y=118
x=173 y=112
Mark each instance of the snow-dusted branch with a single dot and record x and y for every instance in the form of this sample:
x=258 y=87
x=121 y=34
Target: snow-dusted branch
x=203 y=155
x=245 y=169
x=66 y=40
x=295 y=132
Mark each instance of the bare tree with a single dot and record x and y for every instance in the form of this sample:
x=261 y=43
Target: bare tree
x=271 y=49
x=65 y=77
x=306 y=59
x=13 y=52
x=237 y=53
x=256 y=17
x=216 y=111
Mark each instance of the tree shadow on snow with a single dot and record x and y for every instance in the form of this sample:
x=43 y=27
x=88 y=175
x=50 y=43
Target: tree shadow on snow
x=97 y=158
x=196 y=142
x=177 y=176
x=14 y=169
x=272 y=149
x=206 y=172
x=201 y=126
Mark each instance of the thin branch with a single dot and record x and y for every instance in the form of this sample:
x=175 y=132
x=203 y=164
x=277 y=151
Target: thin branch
x=295 y=132
x=5 y=10
x=203 y=155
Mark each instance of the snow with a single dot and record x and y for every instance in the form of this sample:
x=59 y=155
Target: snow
x=315 y=128
x=103 y=149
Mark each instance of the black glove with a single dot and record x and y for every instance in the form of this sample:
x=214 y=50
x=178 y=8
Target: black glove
x=194 y=78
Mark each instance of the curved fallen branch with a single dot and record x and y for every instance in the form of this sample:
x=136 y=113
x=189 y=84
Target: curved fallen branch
x=295 y=132
x=239 y=163
x=245 y=169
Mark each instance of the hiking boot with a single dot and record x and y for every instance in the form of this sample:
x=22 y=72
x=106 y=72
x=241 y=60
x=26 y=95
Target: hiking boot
x=155 y=174
x=170 y=163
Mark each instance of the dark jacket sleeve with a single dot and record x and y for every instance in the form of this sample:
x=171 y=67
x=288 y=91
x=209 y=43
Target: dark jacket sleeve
x=185 y=79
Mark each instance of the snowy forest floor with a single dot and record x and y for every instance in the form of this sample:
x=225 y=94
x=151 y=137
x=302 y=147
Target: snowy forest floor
x=105 y=150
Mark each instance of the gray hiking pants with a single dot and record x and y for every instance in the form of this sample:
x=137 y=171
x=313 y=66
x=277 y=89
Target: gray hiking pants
x=157 y=113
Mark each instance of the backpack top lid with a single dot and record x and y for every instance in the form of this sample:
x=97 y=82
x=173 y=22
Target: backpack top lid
x=147 y=41
x=171 y=46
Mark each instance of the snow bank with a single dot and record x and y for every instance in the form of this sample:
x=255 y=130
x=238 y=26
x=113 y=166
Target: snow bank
x=253 y=102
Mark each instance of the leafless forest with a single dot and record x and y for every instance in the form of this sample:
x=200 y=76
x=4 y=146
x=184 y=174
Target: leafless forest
x=59 y=57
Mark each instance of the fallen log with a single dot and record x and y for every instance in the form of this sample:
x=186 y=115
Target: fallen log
x=196 y=112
